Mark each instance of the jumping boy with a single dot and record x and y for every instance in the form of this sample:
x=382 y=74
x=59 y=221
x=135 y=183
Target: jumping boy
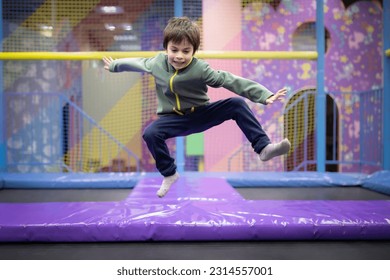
x=183 y=104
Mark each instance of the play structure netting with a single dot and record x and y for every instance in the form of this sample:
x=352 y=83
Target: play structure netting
x=64 y=113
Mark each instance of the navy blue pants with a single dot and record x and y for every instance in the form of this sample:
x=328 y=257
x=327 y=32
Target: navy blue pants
x=203 y=118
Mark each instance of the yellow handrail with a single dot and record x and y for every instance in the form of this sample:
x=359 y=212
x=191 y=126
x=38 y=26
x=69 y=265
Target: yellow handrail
x=307 y=55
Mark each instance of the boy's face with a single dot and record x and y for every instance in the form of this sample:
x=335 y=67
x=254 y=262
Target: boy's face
x=179 y=54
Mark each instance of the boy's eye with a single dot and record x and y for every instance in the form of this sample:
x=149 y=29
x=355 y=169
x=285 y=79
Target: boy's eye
x=184 y=51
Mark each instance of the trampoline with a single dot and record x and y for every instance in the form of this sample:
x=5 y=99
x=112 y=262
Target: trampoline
x=199 y=207
x=202 y=210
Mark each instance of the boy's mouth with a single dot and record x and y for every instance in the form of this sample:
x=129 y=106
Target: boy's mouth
x=179 y=64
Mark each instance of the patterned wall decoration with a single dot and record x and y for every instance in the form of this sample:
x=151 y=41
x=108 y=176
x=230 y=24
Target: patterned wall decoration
x=353 y=58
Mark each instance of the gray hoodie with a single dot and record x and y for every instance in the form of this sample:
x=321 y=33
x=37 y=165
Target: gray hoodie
x=180 y=90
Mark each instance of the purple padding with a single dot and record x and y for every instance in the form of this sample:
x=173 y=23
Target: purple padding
x=194 y=209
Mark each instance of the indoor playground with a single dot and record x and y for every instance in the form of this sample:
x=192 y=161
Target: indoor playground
x=77 y=181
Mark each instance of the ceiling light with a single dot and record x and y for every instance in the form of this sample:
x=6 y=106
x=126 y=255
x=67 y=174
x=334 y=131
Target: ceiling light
x=109 y=26
x=110 y=10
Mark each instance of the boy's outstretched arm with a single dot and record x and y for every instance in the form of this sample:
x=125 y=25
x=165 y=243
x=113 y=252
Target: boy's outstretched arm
x=277 y=96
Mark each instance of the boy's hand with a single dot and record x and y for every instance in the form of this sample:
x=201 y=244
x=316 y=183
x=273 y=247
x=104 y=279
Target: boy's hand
x=277 y=96
x=107 y=61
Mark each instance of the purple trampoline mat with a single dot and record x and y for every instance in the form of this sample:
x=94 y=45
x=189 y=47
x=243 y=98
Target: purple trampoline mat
x=194 y=209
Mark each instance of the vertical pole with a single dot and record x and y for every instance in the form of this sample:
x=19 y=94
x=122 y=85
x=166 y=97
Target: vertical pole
x=180 y=158
x=320 y=97
x=178 y=8
x=3 y=160
x=386 y=86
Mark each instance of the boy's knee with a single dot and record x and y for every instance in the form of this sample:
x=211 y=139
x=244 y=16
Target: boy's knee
x=238 y=102
x=149 y=133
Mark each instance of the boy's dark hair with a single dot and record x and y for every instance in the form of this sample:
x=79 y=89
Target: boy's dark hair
x=179 y=29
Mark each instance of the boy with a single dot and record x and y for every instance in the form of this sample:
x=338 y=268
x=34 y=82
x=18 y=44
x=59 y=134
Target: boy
x=183 y=104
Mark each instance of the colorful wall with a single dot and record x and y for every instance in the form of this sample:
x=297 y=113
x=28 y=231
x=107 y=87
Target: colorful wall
x=352 y=61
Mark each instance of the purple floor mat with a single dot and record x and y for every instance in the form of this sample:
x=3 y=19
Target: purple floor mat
x=194 y=209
